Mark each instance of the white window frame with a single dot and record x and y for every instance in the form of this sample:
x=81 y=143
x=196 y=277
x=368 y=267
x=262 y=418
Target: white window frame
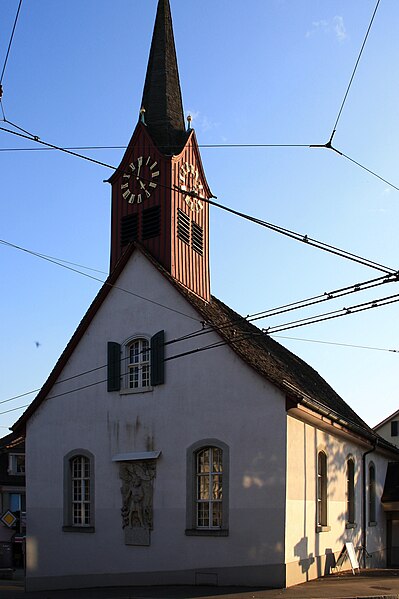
x=209 y=488
x=193 y=501
x=79 y=491
x=138 y=370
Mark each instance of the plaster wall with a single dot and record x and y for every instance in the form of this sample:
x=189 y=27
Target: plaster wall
x=210 y=394
x=309 y=553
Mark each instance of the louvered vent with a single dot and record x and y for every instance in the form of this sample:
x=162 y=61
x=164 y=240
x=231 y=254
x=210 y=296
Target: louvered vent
x=197 y=238
x=151 y=222
x=129 y=228
x=183 y=226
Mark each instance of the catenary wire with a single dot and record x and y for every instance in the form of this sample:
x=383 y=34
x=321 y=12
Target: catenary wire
x=251 y=334
x=330 y=295
x=249 y=318
x=377 y=303
x=373 y=173
x=294 y=235
x=70 y=151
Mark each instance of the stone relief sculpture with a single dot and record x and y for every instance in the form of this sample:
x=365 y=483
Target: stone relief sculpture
x=137 y=493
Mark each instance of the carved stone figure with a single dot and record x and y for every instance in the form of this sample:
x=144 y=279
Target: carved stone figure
x=137 y=491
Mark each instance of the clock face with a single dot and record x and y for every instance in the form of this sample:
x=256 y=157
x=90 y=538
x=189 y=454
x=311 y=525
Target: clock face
x=189 y=181
x=140 y=180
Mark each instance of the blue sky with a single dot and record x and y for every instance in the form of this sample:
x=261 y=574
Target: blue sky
x=260 y=72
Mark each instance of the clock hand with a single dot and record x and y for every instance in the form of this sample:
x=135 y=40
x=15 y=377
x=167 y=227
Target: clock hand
x=139 y=163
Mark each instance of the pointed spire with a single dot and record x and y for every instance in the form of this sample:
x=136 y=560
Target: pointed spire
x=162 y=98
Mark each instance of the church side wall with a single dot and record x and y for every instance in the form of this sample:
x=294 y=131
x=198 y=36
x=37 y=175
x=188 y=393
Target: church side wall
x=207 y=395
x=310 y=554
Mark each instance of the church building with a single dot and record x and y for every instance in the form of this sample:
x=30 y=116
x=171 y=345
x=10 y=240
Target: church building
x=174 y=442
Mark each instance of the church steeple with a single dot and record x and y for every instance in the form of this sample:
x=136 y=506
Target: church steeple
x=162 y=99
x=159 y=190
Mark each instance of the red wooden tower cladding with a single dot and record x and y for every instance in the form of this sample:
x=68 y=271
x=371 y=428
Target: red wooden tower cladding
x=158 y=186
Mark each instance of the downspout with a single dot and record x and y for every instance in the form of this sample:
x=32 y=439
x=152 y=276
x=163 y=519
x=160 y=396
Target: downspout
x=364 y=522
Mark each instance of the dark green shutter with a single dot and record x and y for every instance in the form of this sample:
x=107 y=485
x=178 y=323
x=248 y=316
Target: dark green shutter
x=157 y=358
x=114 y=366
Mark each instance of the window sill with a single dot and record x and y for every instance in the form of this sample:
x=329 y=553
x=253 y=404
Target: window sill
x=135 y=390
x=323 y=528
x=373 y=523
x=78 y=529
x=351 y=525
x=206 y=532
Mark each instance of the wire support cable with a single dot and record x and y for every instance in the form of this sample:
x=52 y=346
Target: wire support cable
x=9 y=43
x=355 y=68
x=351 y=345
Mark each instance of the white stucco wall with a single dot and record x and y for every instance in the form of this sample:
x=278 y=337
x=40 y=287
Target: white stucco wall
x=210 y=394
x=307 y=550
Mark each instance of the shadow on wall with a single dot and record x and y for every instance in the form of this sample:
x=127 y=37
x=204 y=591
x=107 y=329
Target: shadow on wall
x=307 y=559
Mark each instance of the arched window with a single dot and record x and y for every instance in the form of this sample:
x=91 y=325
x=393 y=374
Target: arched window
x=350 y=491
x=79 y=491
x=138 y=363
x=321 y=489
x=207 y=488
x=372 y=494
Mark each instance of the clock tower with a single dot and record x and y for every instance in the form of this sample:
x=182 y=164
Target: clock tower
x=159 y=188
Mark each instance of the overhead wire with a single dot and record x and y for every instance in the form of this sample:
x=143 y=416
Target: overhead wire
x=294 y=235
x=6 y=59
x=376 y=303
x=85 y=274
x=246 y=335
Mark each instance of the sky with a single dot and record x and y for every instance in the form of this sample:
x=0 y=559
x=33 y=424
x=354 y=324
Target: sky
x=260 y=72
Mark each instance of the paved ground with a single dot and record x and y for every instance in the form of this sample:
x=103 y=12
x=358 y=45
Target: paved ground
x=369 y=583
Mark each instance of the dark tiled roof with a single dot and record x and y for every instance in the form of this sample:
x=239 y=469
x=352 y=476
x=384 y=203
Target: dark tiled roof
x=162 y=97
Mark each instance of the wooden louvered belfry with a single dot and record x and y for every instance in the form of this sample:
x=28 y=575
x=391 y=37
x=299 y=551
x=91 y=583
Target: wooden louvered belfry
x=159 y=189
